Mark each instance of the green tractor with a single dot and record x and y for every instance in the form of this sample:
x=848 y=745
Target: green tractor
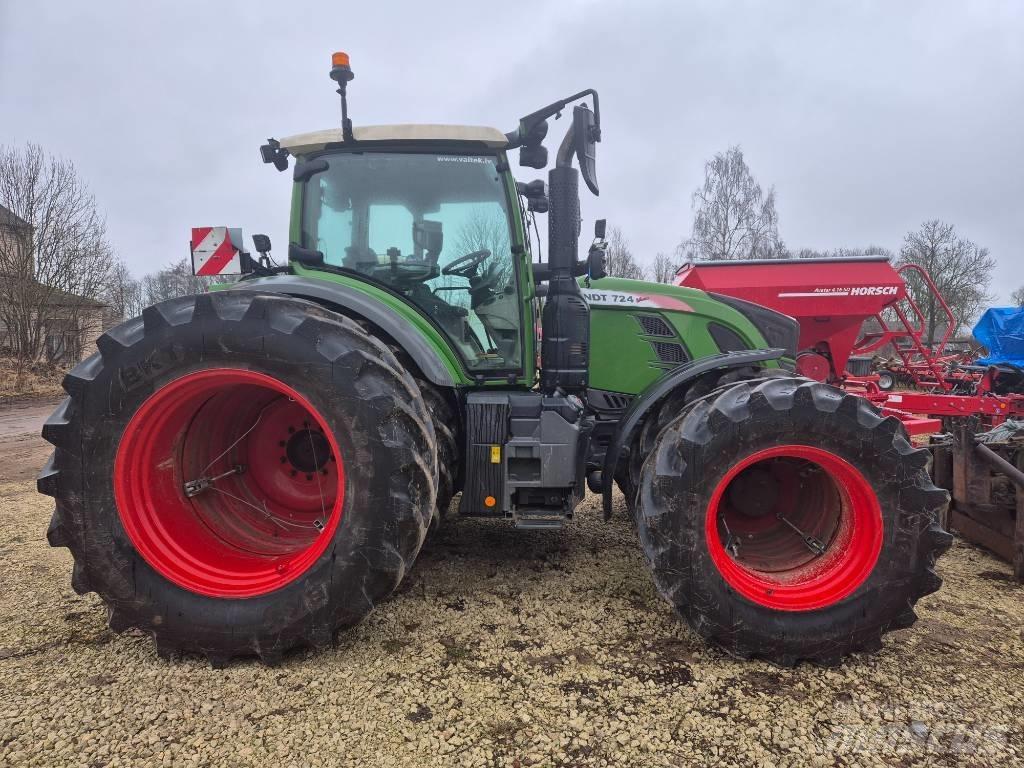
x=250 y=470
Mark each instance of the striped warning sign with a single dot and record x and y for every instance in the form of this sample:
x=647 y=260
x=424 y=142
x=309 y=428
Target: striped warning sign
x=215 y=251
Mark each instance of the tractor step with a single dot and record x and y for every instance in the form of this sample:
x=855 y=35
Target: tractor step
x=539 y=520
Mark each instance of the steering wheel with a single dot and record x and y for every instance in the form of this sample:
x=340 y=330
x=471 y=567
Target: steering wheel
x=465 y=266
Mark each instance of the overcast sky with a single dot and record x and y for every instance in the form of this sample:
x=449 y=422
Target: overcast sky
x=867 y=117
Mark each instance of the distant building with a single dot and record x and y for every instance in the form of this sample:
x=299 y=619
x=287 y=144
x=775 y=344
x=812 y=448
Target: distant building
x=70 y=323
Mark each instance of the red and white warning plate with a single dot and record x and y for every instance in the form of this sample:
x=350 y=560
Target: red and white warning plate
x=215 y=251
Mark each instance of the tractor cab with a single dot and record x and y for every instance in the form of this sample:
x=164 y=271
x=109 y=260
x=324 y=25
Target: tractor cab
x=431 y=215
x=425 y=212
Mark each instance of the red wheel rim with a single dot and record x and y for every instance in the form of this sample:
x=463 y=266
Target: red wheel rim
x=271 y=482
x=762 y=502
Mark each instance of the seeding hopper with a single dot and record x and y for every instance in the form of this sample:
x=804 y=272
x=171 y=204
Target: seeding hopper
x=832 y=299
x=848 y=308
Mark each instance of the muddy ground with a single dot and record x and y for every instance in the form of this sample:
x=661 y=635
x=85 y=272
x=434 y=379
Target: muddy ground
x=505 y=648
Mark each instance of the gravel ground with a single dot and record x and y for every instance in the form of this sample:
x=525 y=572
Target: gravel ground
x=504 y=648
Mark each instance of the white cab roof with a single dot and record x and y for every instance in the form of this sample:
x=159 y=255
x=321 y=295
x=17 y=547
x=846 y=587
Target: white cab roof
x=304 y=143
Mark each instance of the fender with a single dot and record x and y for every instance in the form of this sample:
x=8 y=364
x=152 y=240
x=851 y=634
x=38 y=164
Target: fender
x=324 y=292
x=657 y=391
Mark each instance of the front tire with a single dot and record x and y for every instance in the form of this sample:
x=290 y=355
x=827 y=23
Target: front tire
x=240 y=474
x=786 y=519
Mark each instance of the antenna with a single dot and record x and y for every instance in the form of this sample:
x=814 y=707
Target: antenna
x=342 y=73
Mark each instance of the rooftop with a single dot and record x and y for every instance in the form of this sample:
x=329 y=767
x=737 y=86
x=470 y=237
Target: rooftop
x=8 y=219
x=304 y=143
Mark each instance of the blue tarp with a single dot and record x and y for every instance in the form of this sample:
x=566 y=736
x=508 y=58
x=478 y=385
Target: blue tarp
x=1001 y=330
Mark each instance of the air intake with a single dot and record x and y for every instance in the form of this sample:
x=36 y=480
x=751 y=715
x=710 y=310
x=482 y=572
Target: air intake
x=670 y=352
x=654 y=326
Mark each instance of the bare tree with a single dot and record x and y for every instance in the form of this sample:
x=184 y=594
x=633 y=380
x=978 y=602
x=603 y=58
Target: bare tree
x=619 y=258
x=54 y=255
x=843 y=253
x=485 y=229
x=809 y=253
x=733 y=217
x=176 y=280
x=124 y=293
x=961 y=269
x=664 y=268
x=1017 y=297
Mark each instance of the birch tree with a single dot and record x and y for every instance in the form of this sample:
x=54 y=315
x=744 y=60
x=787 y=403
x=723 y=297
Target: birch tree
x=734 y=218
x=619 y=258
x=961 y=269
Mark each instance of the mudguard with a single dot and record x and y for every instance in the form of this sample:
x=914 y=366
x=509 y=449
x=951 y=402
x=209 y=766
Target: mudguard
x=651 y=396
x=358 y=303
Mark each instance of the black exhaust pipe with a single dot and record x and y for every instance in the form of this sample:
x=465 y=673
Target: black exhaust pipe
x=565 y=324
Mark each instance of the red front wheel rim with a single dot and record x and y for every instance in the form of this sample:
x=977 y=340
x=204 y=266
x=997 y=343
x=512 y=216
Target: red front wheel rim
x=229 y=483
x=794 y=528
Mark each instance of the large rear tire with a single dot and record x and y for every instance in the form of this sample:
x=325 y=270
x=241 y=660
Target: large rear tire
x=786 y=519
x=240 y=474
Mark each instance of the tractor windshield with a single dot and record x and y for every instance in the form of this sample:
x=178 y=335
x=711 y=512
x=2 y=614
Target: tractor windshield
x=433 y=227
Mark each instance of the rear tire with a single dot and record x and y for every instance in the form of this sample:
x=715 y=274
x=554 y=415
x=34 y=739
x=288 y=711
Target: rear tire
x=299 y=552
x=827 y=462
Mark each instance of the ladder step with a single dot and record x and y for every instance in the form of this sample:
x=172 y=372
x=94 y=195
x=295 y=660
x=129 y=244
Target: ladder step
x=537 y=522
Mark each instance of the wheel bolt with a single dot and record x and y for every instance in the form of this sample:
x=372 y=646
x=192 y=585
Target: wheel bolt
x=309 y=477
x=284 y=459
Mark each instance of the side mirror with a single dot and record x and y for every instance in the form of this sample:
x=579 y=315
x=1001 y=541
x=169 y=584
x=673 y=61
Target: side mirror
x=261 y=243
x=586 y=134
x=533 y=154
x=596 y=264
x=273 y=152
x=596 y=268
x=536 y=194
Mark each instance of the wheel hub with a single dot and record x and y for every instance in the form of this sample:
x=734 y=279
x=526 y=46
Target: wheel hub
x=307 y=450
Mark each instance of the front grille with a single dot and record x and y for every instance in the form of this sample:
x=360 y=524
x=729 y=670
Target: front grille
x=654 y=326
x=670 y=352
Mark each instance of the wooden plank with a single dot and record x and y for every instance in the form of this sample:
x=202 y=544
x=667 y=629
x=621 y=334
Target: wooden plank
x=998 y=517
x=942 y=475
x=942 y=466
x=979 y=533
x=962 y=442
x=972 y=478
x=1018 y=539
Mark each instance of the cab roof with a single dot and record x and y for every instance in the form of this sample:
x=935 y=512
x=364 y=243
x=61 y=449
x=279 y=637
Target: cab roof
x=304 y=143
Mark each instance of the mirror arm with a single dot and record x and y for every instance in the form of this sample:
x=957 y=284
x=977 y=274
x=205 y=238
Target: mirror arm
x=526 y=124
x=566 y=149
